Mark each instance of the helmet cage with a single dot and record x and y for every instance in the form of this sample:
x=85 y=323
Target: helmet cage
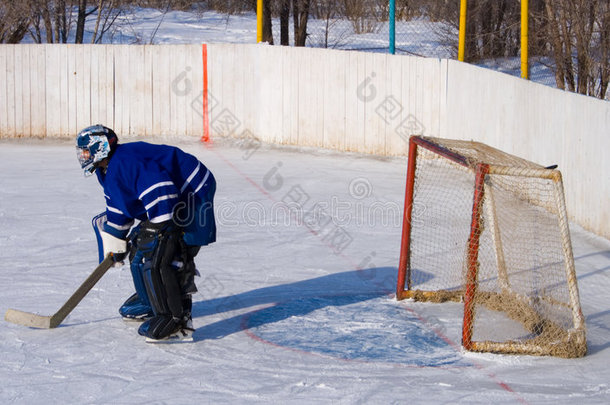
x=91 y=149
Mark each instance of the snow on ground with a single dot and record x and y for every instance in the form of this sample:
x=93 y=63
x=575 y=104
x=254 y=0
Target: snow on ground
x=290 y=308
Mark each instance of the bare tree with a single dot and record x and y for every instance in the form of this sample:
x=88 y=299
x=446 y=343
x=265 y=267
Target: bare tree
x=603 y=21
x=493 y=29
x=62 y=20
x=285 y=21
x=231 y=6
x=363 y=15
x=332 y=13
x=267 y=22
x=41 y=18
x=327 y=11
x=50 y=21
x=107 y=13
x=14 y=21
x=579 y=38
x=300 y=15
x=81 y=20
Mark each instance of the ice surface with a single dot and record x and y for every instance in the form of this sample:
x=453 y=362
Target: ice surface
x=290 y=308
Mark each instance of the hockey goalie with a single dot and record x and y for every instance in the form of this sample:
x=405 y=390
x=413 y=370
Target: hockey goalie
x=159 y=212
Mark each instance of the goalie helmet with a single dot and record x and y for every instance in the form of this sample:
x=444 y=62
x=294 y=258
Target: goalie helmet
x=94 y=144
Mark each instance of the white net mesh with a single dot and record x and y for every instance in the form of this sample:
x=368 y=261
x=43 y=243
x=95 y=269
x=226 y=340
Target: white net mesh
x=516 y=251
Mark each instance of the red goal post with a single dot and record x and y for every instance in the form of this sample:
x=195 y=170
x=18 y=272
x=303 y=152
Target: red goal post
x=489 y=229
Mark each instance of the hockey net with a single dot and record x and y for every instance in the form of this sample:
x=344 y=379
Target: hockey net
x=490 y=230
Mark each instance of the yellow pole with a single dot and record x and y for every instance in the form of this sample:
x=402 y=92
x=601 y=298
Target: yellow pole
x=524 y=39
x=259 y=21
x=462 y=38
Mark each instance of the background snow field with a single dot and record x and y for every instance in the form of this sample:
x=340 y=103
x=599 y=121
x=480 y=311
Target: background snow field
x=295 y=301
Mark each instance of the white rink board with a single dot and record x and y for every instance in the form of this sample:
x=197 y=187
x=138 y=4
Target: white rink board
x=343 y=100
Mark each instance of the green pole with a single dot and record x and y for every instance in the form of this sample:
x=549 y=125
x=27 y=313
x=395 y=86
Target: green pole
x=392 y=19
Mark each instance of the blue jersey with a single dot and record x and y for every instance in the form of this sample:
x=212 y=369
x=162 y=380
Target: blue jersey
x=145 y=182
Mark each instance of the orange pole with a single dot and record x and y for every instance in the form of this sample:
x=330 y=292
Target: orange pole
x=206 y=119
x=404 y=270
x=473 y=255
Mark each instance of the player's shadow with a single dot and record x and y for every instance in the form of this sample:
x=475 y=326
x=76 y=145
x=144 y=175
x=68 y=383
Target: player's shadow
x=296 y=299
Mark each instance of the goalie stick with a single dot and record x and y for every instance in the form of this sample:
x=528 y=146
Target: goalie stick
x=52 y=321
